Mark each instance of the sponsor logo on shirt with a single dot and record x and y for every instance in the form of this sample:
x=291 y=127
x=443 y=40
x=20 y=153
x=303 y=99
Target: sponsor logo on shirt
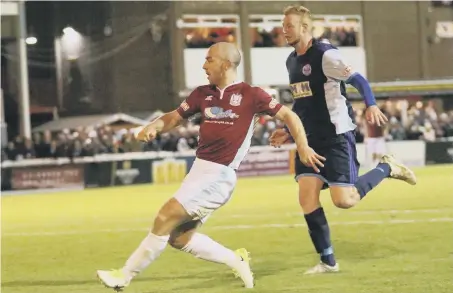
x=219 y=113
x=301 y=89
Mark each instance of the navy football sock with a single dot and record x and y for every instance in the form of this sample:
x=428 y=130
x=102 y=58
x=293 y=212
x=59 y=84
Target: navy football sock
x=371 y=179
x=320 y=235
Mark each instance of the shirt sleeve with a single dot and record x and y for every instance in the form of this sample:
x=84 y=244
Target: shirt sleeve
x=265 y=104
x=335 y=67
x=190 y=106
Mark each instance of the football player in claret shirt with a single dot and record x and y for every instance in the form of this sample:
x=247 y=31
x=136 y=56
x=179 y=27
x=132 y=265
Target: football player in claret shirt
x=228 y=111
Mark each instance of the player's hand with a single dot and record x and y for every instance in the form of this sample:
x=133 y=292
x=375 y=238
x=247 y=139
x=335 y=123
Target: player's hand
x=278 y=137
x=310 y=158
x=374 y=116
x=145 y=134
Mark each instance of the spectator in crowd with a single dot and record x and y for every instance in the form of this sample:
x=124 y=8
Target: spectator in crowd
x=10 y=151
x=29 y=149
x=182 y=143
x=396 y=130
x=423 y=123
x=203 y=37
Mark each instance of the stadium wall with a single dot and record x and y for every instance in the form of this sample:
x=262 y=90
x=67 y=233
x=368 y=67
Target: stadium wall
x=44 y=175
x=399 y=36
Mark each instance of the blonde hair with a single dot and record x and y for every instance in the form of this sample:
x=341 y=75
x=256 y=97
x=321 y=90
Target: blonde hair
x=302 y=11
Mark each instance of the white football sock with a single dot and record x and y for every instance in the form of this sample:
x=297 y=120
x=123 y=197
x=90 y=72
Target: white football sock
x=201 y=246
x=150 y=249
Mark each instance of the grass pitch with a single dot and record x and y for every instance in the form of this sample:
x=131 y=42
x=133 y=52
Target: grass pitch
x=399 y=239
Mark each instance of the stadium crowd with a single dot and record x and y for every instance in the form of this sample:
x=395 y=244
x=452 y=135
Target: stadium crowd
x=423 y=122
x=265 y=38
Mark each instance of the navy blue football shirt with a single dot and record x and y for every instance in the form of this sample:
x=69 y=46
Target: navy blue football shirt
x=317 y=85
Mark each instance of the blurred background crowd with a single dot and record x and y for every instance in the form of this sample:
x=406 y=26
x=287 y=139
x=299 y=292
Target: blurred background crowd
x=419 y=122
x=68 y=62
x=266 y=37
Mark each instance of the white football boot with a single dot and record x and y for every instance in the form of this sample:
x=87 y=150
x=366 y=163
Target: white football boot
x=398 y=170
x=322 y=268
x=242 y=269
x=115 y=279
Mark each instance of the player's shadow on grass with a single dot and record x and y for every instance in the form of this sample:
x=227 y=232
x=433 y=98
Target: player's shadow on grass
x=48 y=283
x=366 y=250
x=270 y=267
x=53 y=283
x=207 y=280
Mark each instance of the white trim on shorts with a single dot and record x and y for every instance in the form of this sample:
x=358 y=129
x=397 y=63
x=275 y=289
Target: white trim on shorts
x=340 y=184
x=312 y=175
x=323 y=180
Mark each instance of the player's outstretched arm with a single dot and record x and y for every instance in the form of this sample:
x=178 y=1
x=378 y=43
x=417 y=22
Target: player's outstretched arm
x=334 y=66
x=307 y=155
x=372 y=114
x=170 y=120
x=164 y=123
x=294 y=125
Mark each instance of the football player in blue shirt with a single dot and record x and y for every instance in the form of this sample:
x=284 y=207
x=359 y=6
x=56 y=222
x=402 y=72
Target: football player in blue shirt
x=318 y=74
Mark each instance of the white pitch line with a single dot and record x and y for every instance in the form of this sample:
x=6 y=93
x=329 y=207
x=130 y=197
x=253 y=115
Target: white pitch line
x=412 y=221
x=349 y=212
x=233 y=227
x=100 y=220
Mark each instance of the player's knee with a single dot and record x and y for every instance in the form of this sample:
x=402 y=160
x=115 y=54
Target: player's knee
x=344 y=197
x=172 y=209
x=308 y=200
x=178 y=241
x=170 y=216
x=346 y=200
x=180 y=237
x=309 y=189
x=343 y=203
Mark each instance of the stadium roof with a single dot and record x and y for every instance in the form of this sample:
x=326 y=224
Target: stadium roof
x=146 y=115
x=88 y=121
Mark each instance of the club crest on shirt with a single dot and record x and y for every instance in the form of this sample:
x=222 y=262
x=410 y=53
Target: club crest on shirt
x=235 y=99
x=306 y=70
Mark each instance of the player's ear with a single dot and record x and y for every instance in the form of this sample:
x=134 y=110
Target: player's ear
x=304 y=27
x=226 y=65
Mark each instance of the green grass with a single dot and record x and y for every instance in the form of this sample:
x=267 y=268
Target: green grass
x=388 y=243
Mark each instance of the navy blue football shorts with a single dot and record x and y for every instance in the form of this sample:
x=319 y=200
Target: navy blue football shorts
x=341 y=167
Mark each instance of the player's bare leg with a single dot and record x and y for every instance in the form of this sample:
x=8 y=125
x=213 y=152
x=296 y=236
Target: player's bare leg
x=348 y=196
x=170 y=216
x=187 y=239
x=344 y=197
x=309 y=191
